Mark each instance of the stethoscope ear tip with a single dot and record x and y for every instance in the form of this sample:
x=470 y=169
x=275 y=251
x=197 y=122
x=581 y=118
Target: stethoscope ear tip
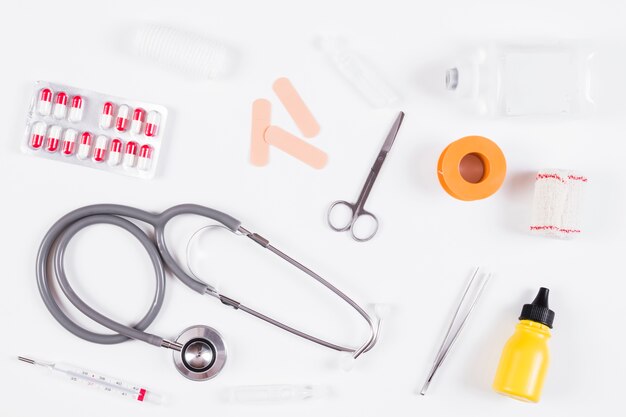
x=381 y=310
x=203 y=354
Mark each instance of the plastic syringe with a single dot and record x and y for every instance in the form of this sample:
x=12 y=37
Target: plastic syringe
x=95 y=380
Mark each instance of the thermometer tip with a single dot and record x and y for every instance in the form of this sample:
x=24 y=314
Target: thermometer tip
x=27 y=360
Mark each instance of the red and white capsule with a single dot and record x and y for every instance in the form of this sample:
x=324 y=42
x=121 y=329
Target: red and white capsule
x=121 y=122
x=139 y=116
x=84 y=147
x=100 y=148
x=54 y=138
x=69 y=142
x=115 y=152
x=106 y=117
x=130 y=154
x=37 y=135
x=145 y=158
x=152 y=123
x=44 y=102
x=60 y=106
x=76 y=110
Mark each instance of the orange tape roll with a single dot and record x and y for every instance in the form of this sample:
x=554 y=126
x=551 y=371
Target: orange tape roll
x=471 y=168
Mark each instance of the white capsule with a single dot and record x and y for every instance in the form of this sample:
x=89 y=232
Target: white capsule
x=152 y=123
x=121 y=121
x=115 y=152
x=130 y=154
x=44 y=102
x=139 y=116
x=106 y=117
x=54 y=138
x=60 y=106
x=100 y=149
x=69 y=142
x=76 y=111
x=145 y=158
x=84 y=147
x=38 y=132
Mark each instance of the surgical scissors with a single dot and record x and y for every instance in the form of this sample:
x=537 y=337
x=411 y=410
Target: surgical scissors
x=357 y=209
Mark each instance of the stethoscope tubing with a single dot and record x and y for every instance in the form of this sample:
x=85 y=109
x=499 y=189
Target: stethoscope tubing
x=52 y=252
x=50 y=265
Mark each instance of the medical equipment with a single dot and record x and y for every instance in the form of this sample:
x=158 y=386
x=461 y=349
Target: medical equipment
x=471 y=168
x=525 y=358
x=188 y=52
x=541 y=79
x=474 y=289
x=357 y=209
x=261 y=120
x=295 y=106
x=93 y=379
x=296 y=147
x=275 y=393
x=557 y=203
x=96 y=131
x=199 y=352
x=357 y=72
x=264 y=134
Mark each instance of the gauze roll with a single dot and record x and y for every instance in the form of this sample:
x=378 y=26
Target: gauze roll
x=557 y=203
x=188 y=52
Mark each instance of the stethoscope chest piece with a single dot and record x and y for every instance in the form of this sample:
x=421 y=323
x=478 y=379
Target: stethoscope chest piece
x=203 y=353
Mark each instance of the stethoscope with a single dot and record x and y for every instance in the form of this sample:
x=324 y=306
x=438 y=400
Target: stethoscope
x=199 y=352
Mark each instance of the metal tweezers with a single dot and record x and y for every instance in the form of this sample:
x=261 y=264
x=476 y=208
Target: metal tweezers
x=450 y=337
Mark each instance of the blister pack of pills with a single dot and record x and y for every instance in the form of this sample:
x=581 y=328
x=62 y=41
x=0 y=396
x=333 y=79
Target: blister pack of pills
x=86 y=128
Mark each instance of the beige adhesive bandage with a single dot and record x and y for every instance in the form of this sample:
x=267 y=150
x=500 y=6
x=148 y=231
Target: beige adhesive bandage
x=298 y=111
x=261 y=119
x=296 y=147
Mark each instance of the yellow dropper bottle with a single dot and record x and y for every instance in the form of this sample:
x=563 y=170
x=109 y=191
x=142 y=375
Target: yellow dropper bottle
x=525 y=357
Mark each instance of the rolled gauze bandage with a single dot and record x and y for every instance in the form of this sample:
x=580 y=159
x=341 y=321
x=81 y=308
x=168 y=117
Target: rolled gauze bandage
x=185 y=51
x=556 y=207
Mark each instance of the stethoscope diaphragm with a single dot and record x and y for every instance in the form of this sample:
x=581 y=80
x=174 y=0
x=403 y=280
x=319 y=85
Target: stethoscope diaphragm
x=203 y=353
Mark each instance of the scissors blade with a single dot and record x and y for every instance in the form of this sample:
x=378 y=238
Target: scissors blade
x=391 y=136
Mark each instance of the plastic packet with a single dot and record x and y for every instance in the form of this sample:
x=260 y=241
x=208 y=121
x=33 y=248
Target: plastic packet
x=535 y=79
x=82 y=127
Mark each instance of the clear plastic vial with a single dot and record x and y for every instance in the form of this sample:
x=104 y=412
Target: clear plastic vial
x=525 y=80
x=358 y=72
x=275 y=393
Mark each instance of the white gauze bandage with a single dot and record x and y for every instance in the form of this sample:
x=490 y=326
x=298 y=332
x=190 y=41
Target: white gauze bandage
x=557 y=201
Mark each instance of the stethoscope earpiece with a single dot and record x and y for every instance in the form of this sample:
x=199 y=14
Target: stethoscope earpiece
x=203 y=353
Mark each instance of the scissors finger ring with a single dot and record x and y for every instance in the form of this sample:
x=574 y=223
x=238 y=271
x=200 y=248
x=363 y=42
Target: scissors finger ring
x=343 y=226
x=373 y=227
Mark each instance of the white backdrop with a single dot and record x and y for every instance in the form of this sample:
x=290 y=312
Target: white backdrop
x=418 y=262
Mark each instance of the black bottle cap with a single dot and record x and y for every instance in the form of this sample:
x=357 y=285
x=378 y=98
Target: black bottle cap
x=538 y=310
